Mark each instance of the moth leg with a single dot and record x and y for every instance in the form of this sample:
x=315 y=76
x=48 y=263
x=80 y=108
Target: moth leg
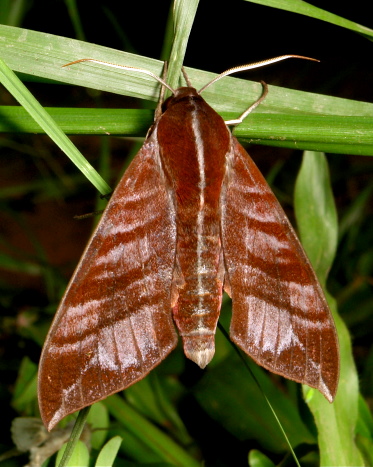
x=242 y=117
x=158 y=110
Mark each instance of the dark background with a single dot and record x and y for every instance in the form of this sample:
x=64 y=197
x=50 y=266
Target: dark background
x=224 y=35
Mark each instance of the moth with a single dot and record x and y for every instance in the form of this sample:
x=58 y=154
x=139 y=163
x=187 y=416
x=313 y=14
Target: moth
x=191 y=217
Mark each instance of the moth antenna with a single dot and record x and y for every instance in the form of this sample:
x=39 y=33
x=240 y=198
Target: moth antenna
x=123 y=67
x=250 y=66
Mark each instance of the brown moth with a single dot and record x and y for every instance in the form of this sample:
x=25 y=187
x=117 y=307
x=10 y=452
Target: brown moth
x=191 y=216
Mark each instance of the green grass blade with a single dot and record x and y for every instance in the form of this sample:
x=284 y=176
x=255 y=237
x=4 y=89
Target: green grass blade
x=316 y=213
x=333 y=134
x=75 y=453
x=304 y=8
x=336 y=423
x=236 y=404
x=108 y=453
x=42 y=55
x=27 y=100
x=149 y=434
x=317 y=219
x=78 y=458
x=73 y=11
x=78 y=121
x=184 y=13
x=337 y=134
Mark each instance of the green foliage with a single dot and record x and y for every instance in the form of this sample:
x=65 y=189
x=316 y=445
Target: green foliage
x=159 y=419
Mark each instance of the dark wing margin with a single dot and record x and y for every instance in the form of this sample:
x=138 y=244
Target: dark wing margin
x=114 y=323
x=280 y=315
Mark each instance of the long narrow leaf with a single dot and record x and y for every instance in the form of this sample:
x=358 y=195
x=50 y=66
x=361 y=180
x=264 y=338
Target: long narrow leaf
x=317 y=221
x=153 y=437
x=42 y=55
x=304 y=8
x=341 y=135
x=184 y=13
x=27 y=100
